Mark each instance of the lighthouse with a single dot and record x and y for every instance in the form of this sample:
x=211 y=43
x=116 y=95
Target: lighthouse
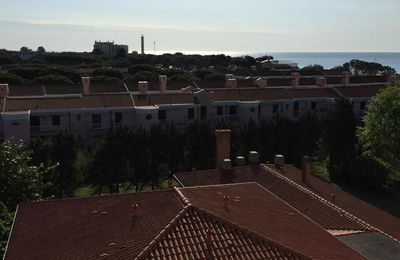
x=142 y=43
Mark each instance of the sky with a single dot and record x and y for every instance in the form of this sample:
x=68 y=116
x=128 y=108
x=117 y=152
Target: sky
x=203 y=26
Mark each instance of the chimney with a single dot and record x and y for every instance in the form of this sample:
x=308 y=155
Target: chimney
x=333 y=198
x=346 y=78
x=223 y=146
x=260 y=83
x=143 y=86
x=163 y=83
x=240 y=161
x=135 y=210
x=391 y=77
x=86 y=85
x=4 y=90
x=253 y=158
x=306 y=169
x=226 y=202
x=295 y=79
x=320 y=82
x=279 y=161
x=231 y=83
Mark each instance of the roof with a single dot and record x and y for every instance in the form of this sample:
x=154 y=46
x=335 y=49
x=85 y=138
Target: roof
x=321 y=212
x=60 y=102
x=91 y=228
x=249 y=94
x=254 y=208
x=372 y=215
x=159 y=99
x=312 y=92
x=186 y=238
x=359 y=91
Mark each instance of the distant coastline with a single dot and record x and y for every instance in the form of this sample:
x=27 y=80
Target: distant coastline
x=326 y=59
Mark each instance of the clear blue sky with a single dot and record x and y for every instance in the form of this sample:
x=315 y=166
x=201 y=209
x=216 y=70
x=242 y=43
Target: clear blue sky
x=203 y=25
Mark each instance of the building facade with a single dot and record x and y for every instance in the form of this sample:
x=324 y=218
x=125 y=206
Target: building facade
x=109 y=48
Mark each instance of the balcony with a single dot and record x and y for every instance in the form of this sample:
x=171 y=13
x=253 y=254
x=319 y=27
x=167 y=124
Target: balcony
x=46 y=130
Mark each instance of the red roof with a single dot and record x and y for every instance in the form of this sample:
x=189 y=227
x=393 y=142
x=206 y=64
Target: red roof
x=254 y=208
x=371 y=214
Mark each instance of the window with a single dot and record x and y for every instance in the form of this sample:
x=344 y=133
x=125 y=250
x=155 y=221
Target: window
x=252 y=109
x=149 y=117
x=287 y=106
x=55 y=120
x=118 y=117
x=313 y=105
x=35 y=121
x=275 y=108
x=162 y=114
x=191 y=113
x=362 y=106
x=232 y=110
x=203 y=112
x=220 y=110
x=296 y=106
x=96 y=121
x=78 y=117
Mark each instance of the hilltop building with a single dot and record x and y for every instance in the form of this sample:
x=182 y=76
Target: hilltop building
x=109 y=48
x=92 y=110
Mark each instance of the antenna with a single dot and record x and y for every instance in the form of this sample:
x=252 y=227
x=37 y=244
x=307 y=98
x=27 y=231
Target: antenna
x=154 y=43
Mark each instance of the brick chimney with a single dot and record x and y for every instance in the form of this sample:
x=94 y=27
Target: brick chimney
x=240 y=161
x=231 y=83
x=391 y=77
x=295 y=79
x=4 y=90
x=86 y=85
x=346 y=78
x=260 y=83
x=143 y=86
x=223 y=146
x=320 y=82
x=306 y=169
x=162 y=79
x=279 y=161
x=253 y=158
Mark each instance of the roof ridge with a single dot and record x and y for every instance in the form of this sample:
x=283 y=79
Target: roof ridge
x=321 y=199
x=182 y=197
x=217 y=185
x=160 y=235
x=248 y=232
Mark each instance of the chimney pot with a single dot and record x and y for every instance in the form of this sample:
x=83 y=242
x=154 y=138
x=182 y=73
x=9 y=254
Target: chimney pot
x=333 y=198
x=295 y=79
x=279 y=161
x=163 y=83
x=226 y=201
x=86 y=85
x=346 y=78
x=143 y=86
x=4 y=90
x=240 y=160
x=320 y=82
x=223 y=146
x=254 y=158
x=228 y=76
x=306 y=168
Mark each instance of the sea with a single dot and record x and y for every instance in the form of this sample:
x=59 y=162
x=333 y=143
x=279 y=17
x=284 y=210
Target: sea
x=326 y=59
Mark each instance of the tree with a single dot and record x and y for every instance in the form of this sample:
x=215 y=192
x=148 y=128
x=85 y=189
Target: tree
x=340 y=139
x=19 y=180
x=24 y=49
x=41 y=50
x=6 y=219
x=380 y=135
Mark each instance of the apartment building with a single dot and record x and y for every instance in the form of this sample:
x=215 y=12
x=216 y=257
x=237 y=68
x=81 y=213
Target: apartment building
x=89 y=110
x=109 y=48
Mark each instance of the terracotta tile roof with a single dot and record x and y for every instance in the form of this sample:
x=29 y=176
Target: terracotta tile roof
x=254 y=208
x=371 y=214
x=278 y=82
x=74 y=89
x=324 y=214
x=359 y=91
x=35 y=90
x=367 y=79
x=158 y=99
x=249 y=94
x=91 y=228
x=85 y=101
x=312 y=92
x=333 y=80
x=186 y=238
